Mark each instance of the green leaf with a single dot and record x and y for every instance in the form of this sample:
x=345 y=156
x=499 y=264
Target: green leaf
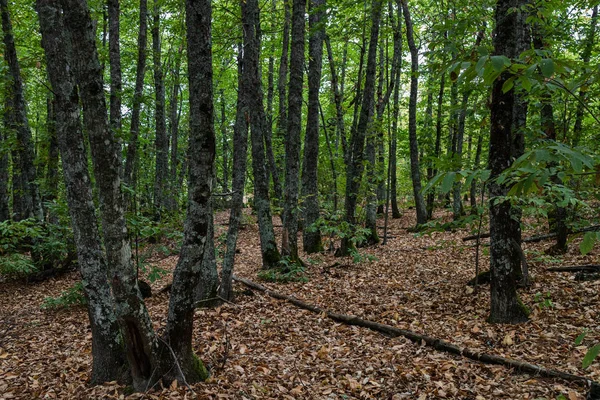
x=525 y=83
x=499 y=62
x=547 y=67
x=480 y=64
x=508 y=84
x=589 y=239
x=590 y=356
x=448 y=182
x=580 y=338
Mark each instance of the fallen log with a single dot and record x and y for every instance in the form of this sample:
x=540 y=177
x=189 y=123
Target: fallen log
x=576 y=268
x=484 y=235
x=437 y=344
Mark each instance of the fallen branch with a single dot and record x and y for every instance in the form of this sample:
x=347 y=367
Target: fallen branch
x=437 y=344
x=576 y=268
x=474 y=237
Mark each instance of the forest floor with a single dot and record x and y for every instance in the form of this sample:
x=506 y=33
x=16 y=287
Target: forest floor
x=262 y=348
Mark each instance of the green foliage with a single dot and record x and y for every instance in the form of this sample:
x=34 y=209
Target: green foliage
x=73 y=296
x=16 y=266
x=592 y=352
x=543 y=300
x=287 y=271
x=29 y=245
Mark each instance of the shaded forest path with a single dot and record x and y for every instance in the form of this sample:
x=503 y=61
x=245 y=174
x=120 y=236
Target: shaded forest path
x=261 y=348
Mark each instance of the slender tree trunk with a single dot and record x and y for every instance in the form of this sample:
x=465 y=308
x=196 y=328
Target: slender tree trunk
x=355 y=168
x=556 y=217
x=224 y=145
x=505 y=306
x=4 y=205
x=438 y=141
x=412 y=119
x=108 y=363
x=457 y=205
x=208 y=284
x=294 y=128
x=29 y=197
x=51 y=174
x=473 y=188
x=134 y=131
x=255 y=115
x=395 y=115
x=161 y=143
x=240 y=149
x=583 y=90
x=311 y=238
x=114 y=52
x=282 y=82
x=174 y=115
x=337 y=98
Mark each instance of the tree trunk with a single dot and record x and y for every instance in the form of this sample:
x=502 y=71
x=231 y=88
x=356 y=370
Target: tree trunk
x=255 y=115
x=201 y=150
x=108 y=363
x=355 y=168
x=28 y=196
x=311 y=238
x=505 y=306
x=556 y=217
x=208 y=285
x=294 y=128
x=473 y=188
x=395 y=115
x=174 y=115
x=4 y=205
x=240 y=149
x=338 y=98
x=583 y=90
x=161 y=143
x=134 y=131
x=457 y=205
x=141 y=343
x=282 y=92
x=115 y=66
x=412 y=119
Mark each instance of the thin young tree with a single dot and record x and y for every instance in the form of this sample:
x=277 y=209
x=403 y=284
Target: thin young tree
x=412 y=118
x=354 y=168
x=26 y=197
x=289 y=245
x=311 y=237
x=136 y=108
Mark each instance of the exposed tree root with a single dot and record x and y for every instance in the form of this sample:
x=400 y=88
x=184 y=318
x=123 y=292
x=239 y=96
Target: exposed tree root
x=437 y=344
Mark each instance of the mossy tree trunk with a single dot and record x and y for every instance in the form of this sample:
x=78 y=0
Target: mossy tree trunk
x=108 y=361
x=505 y=306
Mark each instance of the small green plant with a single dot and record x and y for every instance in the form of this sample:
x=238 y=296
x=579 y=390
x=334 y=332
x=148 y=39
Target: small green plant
x=543 y=300
x=358 y=257
x=287 y=271
x=592 y=352
x=16 y=266
x=73 y=296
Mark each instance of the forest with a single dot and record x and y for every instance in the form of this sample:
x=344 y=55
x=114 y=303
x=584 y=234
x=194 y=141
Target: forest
x=300 y=199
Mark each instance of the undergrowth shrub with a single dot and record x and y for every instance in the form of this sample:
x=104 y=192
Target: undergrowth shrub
x=287 y=271
x=73 y=296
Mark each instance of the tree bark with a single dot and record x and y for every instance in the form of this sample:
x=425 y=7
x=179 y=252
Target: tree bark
x=4 y=205
x=174 y=115
x=395 y=115
x=255 y=115
x=412 y=119
x=586 y=55
x=114 y=52
x=161 y=143
x=294 y=128
x=134 y=130
x=505 y=306
x=140 y=341
x=240 y=150
x=311 y=238
x=108 y=363
x=28 y=196
x=201 y=150
x=355 y=168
